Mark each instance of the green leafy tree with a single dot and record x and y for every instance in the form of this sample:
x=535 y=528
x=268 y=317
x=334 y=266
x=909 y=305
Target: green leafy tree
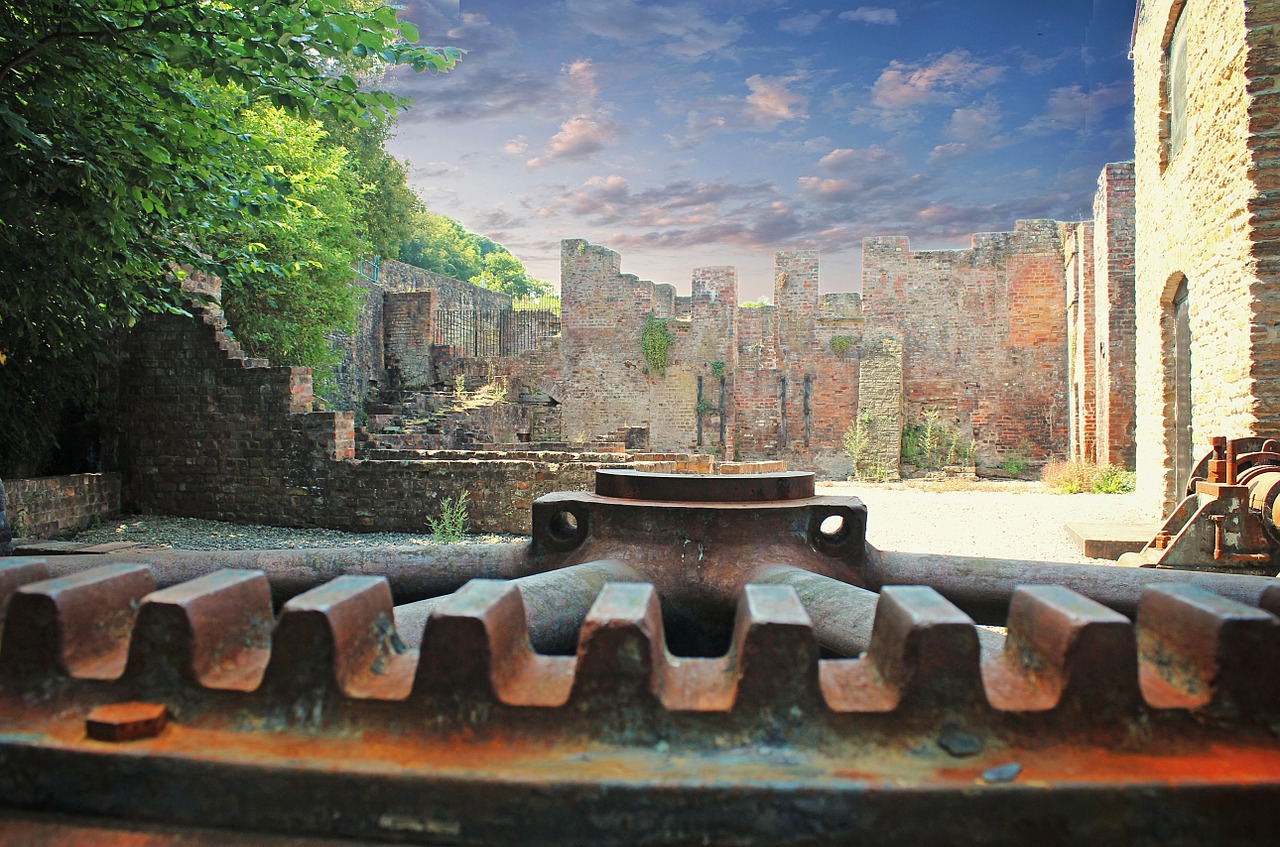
x=504 y=272
x=390 y=209
x=442 y=245
x=313 y=239
x=122 y=159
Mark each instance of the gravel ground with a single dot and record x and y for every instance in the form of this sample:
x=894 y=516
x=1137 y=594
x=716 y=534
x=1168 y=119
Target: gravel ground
x=1007 y=520
x=196 y=534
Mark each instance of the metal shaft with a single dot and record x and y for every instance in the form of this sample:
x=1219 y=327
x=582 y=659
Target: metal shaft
x=982 y=587
x=556 y=604
x=843 y=614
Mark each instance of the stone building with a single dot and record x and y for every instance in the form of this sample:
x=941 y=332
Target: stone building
x=1207 y=303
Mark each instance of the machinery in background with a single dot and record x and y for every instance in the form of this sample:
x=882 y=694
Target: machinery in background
x=1230 y=518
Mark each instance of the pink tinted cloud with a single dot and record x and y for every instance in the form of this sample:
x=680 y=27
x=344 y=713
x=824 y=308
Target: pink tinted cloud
x=903 y=85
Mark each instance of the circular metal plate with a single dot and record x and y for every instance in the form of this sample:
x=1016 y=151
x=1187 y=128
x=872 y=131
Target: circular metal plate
x=704 y=488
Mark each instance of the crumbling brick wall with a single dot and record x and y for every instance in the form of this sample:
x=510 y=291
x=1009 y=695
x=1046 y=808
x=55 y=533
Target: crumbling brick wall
x=200 y=431
x=408 y=327
x=984 y=334
x=49 y=506
x=1114 y=321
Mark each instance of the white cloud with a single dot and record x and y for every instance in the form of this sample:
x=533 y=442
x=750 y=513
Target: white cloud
x=516 y=146
x=769 y=102
x=578 y=139
x=579 y=79
x=683 y=30
x=1071 y=108
x=871 y=15
x=976 y=124
x=845 y=160
x=805 y=24
x=903 y=85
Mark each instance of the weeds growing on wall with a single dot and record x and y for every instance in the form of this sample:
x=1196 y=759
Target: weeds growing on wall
x=857 y=442
x=1014 y=464
x=1087 y=478
x=655 y=341
x=717 y=369
x=932 y=444
x=840 y=344
x=452 y=523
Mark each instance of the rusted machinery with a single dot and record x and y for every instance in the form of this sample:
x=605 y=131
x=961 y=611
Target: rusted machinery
x=1230 y=517
x=672 y=660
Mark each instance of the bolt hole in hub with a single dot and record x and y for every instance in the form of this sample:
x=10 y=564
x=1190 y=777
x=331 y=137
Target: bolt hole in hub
x=833 y=528
x=564 y=527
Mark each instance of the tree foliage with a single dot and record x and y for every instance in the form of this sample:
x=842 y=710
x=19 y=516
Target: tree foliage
x=443 y=245
x=124 y=156
x=314 y=238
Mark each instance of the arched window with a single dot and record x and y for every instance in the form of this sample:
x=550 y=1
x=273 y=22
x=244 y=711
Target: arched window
x=1178 y=389
x=1175 y=85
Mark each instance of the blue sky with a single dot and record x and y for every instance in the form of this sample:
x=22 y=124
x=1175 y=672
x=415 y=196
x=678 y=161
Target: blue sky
x=687 y=134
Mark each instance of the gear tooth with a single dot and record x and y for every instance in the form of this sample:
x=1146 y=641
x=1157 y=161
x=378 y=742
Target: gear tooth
x=342 y=635
x=76 y=625
x=214 y=631
x=476 y=646
x=1064 y=651
x=1198 y=650
x=775 y=652
x=621 y=649
x=1270 y=600
x=16 y=573
x=924 y=652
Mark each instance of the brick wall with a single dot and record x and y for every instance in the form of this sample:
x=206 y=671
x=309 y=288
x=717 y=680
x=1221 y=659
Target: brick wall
x=407 y=322
x=199 y=431
x=1113 y=211
x=45 y=507
x=983 y=332
x=1205 y=214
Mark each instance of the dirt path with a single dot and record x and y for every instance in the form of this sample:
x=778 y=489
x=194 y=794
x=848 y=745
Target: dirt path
x=1002 y=520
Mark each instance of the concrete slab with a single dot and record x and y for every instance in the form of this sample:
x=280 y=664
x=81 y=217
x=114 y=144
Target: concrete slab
x=1108 y=539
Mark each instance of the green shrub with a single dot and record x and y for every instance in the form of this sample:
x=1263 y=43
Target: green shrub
x=857 y=438
x=840 y=344
x=1076 y=477
x=1114 y=480
x=452 y=523
x=1014 y=464
x=930 y=444
x=655 y=340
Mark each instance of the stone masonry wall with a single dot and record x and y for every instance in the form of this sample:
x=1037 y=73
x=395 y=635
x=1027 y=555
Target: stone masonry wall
x=984 y=334
x=1262 y=75
x=1203 y=215
x=880 y=403
x=1082 y=315
x=45 y=507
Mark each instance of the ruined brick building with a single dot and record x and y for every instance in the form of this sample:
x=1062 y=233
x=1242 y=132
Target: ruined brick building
x=978 y=337
x=1131 y=338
